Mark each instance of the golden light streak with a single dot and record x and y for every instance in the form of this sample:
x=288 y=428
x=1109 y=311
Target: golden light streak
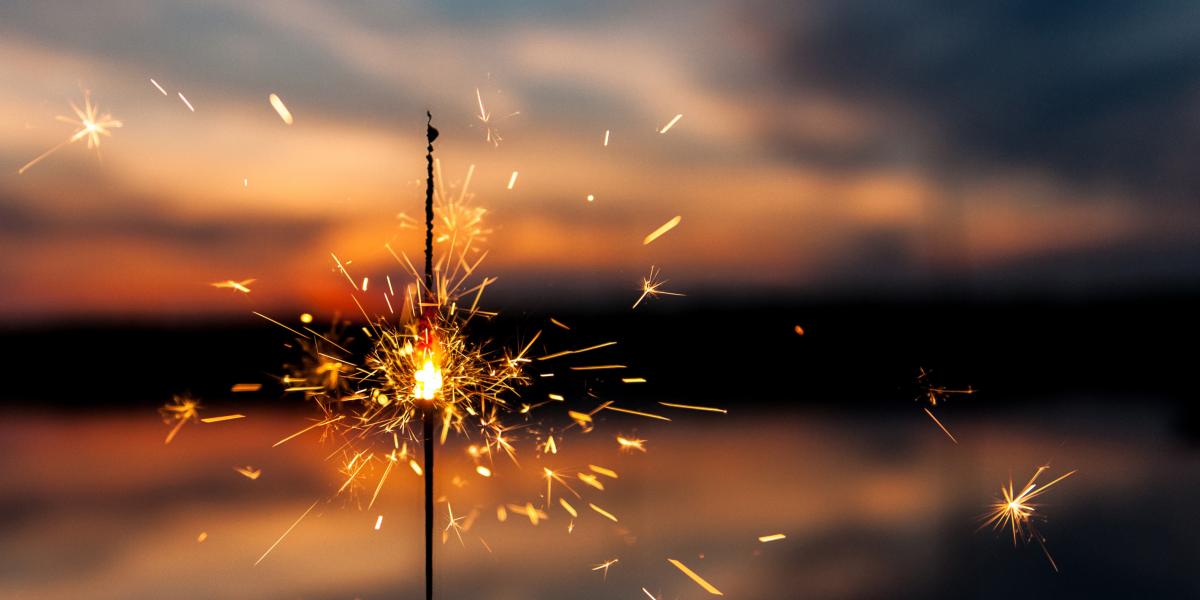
x=90 y=124
x=606 y=132
x=560 y=324
x=665 y=227
x=598 y=367
x=309 y=428
x=940 y=426
x=671 y=124
x=180 y=409
x=452 y=524
x=569 y=352
x=694 y=407
x=637 y=412
x=603 y=512
x=567 y=507
x=774 y=537
x=555 y=397
x=242 y=286
x=512 y=180
x=378 y=522
x=416 y=467
x=484 y=471
x=708 y=587
x=591 y=480
x=203 y=536
x=633 y=380
x=222 y=418
x=158 y=87
x=603 y=471
x=285 y=533
x=246 y=387
x=186 y=103
x=279 y=107
x=249 y=472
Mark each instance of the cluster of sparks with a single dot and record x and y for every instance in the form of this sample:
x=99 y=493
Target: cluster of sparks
x=422 y=361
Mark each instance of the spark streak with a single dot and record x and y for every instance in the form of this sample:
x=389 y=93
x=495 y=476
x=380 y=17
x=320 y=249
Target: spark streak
x=285 y=533
x=279 y=107
x=671 y=124
x=692 y=407
x=694 y=577
x=669 y=225
x=774 y=537
x=222 y=418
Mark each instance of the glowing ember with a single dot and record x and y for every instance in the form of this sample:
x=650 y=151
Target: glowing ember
x=91 y=126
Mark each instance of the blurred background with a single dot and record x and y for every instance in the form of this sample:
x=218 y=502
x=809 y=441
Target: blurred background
x=1001 y=193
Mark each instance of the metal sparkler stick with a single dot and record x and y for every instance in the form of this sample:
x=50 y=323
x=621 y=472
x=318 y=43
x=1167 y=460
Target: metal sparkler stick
x=430 y=410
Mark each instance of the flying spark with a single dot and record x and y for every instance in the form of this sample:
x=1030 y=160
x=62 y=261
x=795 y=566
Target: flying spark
x=774 y=537
x=242 y=286
x=1015 y=511
x=186 y=103
x=651 y=285
x=280 y=108
x=250 y=472
x=91 y=125
x=179 y=411
x=671 y=124
x=605 y=565
x=708 y=587
x=669 y=225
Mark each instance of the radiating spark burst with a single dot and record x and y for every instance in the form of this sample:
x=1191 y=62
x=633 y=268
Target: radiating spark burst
x=605 y=565
x=281 y=109
x=178 y=411
x=242 y=286
x=651 y=285
x=1015 y=511
x=933 y=394
x=491 y=134
x=452 y=525
x=631 y=444
x=665 y=227
x=91 y=125
x=708 y=587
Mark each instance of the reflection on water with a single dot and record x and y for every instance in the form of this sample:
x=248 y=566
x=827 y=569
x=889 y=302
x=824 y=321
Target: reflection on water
x=97 y=507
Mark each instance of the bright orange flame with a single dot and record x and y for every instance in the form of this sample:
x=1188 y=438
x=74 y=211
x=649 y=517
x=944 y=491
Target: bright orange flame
x=429 y=379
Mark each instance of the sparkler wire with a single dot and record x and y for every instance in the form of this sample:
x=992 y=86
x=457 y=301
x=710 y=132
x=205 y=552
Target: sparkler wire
x=430 y=411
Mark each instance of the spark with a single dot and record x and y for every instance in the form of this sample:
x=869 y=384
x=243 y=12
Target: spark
x=591 y=198
x=693 y=407
x=605 y=565
x=535 y=516
x=203 y=536
x=186 y=103
x=637 y=413
x=490 y=132
x=179 y=410
x=799 y=330
x=306 y=318
x=698 y=579
x=279 y=107
x=651 y=285
x=1015 y=511
x=603 y=512
x=597 y=367
x=669 y=225
x=774 y=537
x=631 y=444
x=378 y=522
x=484 y=471
x=245 y=387
x=633 y=380
x=250 y=472
x=567 y=507
x=579 y=351
x=671 y=124
x=222 y=418
x=560 y=324
x=606 y=132
x=285 y=533
x=649 y=595
x=940 y=426
x=91 y=125
x=309 y=428
x=591 y=480
x=453 y=524
x=603 y=471
x=242 y=286
x=159 y=87
x=512 y=180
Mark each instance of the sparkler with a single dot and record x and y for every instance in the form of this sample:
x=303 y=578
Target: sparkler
x=1015 y=511
x=91 y=125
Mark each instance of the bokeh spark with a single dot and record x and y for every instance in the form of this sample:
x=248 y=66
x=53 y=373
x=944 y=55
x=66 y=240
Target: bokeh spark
x=90 y=123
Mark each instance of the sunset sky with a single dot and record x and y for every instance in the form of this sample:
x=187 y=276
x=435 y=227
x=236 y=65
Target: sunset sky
x=824 y=147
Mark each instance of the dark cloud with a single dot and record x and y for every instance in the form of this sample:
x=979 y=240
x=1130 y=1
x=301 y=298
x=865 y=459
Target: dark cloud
x=1092 y=91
